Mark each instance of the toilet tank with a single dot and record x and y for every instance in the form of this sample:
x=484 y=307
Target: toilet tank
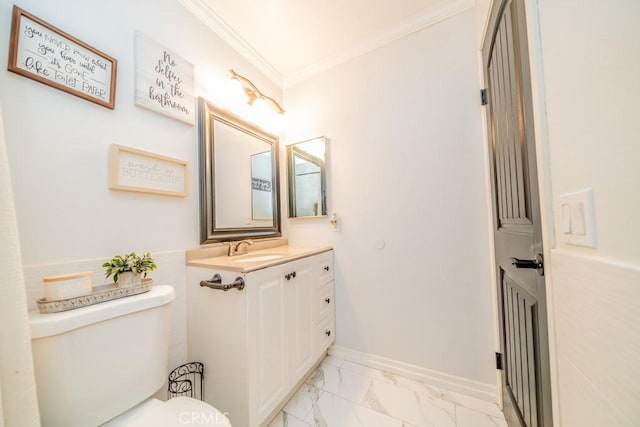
x=94 y=363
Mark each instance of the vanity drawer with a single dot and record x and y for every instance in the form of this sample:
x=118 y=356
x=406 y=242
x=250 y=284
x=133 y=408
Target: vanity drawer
x=325 y=333
x=323 y=265
x=324 y=301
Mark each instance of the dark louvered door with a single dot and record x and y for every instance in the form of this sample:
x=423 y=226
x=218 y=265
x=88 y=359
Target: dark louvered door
x=518 y=239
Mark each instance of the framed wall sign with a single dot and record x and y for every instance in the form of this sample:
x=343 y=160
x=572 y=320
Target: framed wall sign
x=140 y=171
x=42 y=52
x=164 y=80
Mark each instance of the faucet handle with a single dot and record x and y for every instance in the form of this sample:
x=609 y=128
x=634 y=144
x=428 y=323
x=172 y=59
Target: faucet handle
x=232 y=248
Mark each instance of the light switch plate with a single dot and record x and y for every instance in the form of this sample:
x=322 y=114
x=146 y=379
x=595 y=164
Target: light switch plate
x=578 y=226
x=566 y=218
x=577 y=219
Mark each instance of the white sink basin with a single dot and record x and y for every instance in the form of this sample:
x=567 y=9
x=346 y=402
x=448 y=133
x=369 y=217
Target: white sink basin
x=258 y=258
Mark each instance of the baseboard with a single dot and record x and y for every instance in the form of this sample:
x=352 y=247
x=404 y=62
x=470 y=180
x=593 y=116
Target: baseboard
x=472 y=388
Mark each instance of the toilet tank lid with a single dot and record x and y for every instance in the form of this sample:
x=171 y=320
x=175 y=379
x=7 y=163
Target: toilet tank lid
x=44 y=325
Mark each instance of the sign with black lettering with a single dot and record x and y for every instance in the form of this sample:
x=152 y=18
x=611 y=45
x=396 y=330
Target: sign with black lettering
x=42 y=52
x=164 y=80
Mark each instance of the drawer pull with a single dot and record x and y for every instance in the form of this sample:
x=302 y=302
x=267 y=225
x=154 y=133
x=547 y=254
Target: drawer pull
x=327 y=300
x=325 y=268
x=216 y=283
x=328 y=332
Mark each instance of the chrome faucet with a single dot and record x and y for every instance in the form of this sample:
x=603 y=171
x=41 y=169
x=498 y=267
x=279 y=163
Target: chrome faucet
x=238 y=248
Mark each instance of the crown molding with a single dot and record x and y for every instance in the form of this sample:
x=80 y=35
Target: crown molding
x=202 y=11
x=434 y=15
x=206 y=14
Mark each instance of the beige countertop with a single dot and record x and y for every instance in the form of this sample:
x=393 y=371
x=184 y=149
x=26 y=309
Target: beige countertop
x=254 y=259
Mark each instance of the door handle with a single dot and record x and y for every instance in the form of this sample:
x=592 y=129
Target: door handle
x=536 y=264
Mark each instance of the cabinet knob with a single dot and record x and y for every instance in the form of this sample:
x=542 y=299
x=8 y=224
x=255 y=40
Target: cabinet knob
x=293 y=274
x=327 y=300
x=327 y=332
x=287 y=276
x=325 y=268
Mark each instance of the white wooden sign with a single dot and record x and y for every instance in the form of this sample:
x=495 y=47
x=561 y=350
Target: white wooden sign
x=164 y=80
x=144 y=172
x=42 y=52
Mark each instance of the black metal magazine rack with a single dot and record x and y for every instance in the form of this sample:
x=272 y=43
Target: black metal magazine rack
x=187 y=380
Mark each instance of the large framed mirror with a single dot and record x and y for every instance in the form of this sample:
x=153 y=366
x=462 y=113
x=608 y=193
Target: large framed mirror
x=307 y=178
x=239 y=187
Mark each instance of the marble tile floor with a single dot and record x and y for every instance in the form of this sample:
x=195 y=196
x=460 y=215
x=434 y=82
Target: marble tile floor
x=341 y=393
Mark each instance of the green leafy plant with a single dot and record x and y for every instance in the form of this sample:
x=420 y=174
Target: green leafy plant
x=129 y=262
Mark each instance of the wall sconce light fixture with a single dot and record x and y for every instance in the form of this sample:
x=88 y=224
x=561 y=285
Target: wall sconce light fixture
x=253 y=93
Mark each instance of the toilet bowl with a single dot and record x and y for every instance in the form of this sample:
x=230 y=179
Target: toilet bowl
x=102 y=363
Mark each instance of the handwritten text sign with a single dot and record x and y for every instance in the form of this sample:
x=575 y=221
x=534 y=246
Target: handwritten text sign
x=164 y=81
x=141 y=171
x=44 y=53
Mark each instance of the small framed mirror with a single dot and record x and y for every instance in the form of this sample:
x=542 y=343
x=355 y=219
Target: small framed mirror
x=307 y=178
x=239 y=187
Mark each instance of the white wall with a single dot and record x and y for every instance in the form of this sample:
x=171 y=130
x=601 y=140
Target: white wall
x=58 y=146
x=405 y=167
x=59 y=143
x=590 y=64
x=585 y=63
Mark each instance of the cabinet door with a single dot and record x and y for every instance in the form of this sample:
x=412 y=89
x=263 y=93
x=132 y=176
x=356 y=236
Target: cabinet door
x=269 y=380
x=216 y=327
x=301 y=320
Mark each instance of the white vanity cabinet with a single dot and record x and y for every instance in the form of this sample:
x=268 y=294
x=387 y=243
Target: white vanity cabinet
x=259 y=343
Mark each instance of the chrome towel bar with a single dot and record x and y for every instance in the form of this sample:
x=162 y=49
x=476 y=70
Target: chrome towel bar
x=216 y=283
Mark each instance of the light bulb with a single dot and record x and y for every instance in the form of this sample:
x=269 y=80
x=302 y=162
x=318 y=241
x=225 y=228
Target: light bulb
x=261 y=112
x=236 y=89
x=261 y=107
x=278 y=123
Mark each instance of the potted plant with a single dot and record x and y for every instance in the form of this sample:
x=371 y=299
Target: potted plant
x=128 y=269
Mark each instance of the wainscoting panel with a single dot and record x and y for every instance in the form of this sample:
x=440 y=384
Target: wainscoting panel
x=597 y=316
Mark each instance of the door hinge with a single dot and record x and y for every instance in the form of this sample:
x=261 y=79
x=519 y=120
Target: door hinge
x=483 y=97
x=499 y=361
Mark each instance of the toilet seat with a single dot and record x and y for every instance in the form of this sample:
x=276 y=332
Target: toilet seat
x=179 y=411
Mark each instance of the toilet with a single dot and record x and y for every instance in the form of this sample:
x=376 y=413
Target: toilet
x=101 y=365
